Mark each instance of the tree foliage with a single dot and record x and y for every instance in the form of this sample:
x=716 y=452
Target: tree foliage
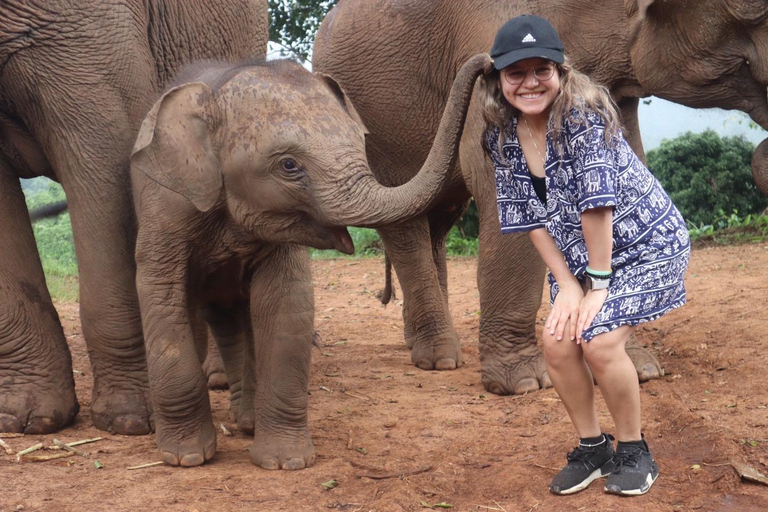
x=706 y=175
x=293 y=24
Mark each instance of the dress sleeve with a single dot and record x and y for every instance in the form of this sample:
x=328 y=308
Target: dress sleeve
x=518 y=211
x=594 y=162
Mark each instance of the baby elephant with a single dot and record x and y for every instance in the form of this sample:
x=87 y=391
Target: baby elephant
x=231 y=170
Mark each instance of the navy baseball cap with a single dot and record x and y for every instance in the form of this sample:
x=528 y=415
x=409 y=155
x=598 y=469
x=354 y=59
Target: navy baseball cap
x=526 y=37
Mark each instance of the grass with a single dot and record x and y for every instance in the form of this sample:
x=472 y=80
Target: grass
x=60 y=267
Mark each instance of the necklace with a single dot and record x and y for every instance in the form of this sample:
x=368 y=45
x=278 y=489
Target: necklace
x=533 y=139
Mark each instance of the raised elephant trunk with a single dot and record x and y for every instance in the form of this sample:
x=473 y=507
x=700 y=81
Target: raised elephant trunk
x=760 y=166
x=760 y=156
x=377 y=205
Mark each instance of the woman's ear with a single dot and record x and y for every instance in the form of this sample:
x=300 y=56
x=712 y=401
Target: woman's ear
x=175 y=144
x=342 y=97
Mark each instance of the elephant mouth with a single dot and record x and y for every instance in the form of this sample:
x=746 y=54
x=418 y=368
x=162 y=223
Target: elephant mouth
x=341 y=240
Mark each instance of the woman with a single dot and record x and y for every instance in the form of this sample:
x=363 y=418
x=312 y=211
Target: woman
x=616 y=247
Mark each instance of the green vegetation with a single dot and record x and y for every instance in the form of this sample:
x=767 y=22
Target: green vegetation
x=293 y=24
x=730 y=229
x=54 y=241
x=706 y=174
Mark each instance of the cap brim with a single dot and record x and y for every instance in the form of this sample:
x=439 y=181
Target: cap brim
x=509 y=58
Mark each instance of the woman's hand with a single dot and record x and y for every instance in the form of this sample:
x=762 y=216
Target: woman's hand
x=565 y=309
x=590 y=306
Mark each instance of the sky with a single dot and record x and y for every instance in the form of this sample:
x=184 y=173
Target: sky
x=662 y=119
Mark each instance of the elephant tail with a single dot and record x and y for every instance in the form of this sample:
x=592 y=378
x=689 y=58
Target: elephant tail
x=47 y=211
x=388 y=293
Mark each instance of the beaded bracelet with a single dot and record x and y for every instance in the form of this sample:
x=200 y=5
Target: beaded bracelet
x=599 y=274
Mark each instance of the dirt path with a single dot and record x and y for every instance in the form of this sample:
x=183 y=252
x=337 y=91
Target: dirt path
x=374 y=417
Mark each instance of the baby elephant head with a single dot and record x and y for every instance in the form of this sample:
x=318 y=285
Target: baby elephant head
x=281 y=151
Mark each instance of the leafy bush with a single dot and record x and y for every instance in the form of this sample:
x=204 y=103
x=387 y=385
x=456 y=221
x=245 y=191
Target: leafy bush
x=705 y=174
x=730 y=229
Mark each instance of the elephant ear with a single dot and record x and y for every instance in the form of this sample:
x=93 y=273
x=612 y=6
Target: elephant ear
x=342 y=97
x=750 y=12
x=175 y=144
x=637 y=10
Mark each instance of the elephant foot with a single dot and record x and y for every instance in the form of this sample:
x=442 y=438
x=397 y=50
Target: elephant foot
x=197 y=445
x=444 y=354
x=284 y=450
x=518 y=376
x=122 y=411
x=645 y=362
x=35 y=409
x=216 y=379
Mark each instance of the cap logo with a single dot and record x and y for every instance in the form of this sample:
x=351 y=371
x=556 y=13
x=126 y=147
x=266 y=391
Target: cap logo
x=529 y=39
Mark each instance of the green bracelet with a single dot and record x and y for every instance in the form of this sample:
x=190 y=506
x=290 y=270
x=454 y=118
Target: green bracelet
x=600 y=273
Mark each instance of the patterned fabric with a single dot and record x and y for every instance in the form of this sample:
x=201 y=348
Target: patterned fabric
x=650 y=239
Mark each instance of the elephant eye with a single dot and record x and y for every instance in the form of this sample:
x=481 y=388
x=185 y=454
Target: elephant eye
x=290 y=165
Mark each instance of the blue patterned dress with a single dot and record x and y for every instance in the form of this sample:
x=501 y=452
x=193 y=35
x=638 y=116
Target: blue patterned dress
x=650 y=239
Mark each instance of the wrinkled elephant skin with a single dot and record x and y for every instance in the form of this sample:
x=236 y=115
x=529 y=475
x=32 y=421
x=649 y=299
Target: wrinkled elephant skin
x=634 y=47
x=231 y=171
x=77 y=79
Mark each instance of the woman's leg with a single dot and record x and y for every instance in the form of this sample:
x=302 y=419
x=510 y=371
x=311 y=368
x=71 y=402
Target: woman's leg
x=573 y=382
x=616 y=375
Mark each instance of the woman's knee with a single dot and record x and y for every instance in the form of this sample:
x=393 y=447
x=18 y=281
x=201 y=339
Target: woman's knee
x=560 y=353
x=605 y=349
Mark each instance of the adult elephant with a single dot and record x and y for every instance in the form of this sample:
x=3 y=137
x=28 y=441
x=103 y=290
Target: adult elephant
x=76 y=80
x=396 y=59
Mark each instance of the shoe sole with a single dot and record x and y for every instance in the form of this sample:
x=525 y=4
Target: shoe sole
x=633 y=492
x=581 y=485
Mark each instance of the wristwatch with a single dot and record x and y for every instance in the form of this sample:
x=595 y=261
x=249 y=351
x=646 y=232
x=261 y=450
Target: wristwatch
x=593 y=283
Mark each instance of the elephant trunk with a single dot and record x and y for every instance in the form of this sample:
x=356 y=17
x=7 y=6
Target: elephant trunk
x=375 y=205
x=760 y=166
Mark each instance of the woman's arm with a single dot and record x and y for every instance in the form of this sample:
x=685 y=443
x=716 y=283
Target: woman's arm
x=597 y=226
x=566 y=305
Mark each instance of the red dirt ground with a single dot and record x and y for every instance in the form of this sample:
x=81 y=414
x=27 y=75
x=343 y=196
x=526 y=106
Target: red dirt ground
x=399 y=438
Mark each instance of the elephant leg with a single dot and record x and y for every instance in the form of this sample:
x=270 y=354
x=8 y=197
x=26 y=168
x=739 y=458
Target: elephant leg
x=182 y=411
x=435 y=344
x=276 y=373
x=214 y=369
x=510 y=282
x=230 y=327
x=440 y=224
x=510 y=279
x=37 y=391
x=104 y=232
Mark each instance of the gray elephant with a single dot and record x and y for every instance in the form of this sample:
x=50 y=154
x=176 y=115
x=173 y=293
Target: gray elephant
x=231 y=170
x=78 y=76
x=711 y=53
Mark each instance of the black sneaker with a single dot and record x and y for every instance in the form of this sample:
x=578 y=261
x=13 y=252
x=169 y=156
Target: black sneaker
x=634 y=470
x=585 y=465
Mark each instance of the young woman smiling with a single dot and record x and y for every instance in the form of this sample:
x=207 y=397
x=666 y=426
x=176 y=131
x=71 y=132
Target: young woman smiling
x=616 y=247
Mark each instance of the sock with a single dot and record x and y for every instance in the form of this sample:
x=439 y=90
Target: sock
x=640 y=444
x=592 y=441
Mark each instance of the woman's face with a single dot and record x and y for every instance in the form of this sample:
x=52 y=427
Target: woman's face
x=531 y=85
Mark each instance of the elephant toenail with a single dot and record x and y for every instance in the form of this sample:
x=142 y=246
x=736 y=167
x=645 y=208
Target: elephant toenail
x=10 y=424
x=526 y=385
x=170 y=458
x=425 y=364
x=192 y=459
x=446 y=364
x=293 y=464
